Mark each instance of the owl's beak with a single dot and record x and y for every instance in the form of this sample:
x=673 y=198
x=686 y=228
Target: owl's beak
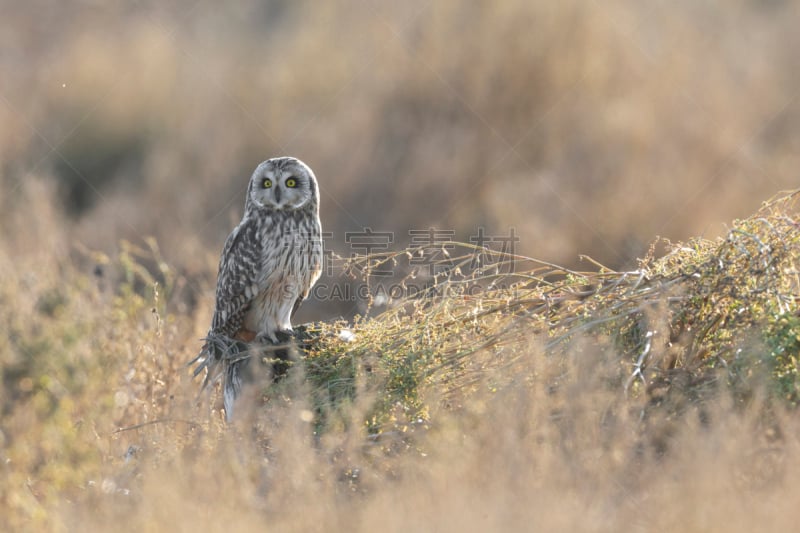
x=277 y=195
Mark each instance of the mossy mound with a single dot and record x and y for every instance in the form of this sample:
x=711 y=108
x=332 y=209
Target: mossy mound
x=705 y=313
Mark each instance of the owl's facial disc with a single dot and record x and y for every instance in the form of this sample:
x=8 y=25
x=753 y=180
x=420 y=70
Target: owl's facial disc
x=282 y=184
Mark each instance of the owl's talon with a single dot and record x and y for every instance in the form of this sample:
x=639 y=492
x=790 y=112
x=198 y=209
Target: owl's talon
x=285 y=336
x=264 y=339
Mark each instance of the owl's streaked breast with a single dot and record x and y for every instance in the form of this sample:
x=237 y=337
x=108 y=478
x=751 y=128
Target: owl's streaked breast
x=289 y=267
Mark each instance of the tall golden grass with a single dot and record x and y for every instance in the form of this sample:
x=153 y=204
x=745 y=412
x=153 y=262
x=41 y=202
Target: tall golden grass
x=517 y=408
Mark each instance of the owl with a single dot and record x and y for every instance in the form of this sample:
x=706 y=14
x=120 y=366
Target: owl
x=268 y=265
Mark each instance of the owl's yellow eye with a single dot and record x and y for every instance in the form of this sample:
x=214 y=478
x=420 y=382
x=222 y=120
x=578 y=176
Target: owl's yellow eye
x=291 y=183
x=267 y=183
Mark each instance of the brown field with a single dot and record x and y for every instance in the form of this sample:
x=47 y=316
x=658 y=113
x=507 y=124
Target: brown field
x=128 y=133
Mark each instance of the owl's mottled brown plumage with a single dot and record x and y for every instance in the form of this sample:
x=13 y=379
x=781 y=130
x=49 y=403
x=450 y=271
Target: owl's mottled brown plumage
x=268 y=265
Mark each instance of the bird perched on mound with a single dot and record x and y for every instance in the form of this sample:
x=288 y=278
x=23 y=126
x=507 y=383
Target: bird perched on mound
x=268 y=265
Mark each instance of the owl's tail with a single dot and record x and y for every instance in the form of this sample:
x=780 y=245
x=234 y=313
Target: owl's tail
x=222 y=358
x=232 y=385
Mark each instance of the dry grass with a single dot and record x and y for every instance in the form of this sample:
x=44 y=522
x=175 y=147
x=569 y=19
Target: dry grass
x=656 y=399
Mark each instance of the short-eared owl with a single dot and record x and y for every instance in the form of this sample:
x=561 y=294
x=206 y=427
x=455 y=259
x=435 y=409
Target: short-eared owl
x=269 y=263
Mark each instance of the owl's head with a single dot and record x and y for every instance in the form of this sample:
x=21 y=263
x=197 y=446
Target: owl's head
x=283 y=183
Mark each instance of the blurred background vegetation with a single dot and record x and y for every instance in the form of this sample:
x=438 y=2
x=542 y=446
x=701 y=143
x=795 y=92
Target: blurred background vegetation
x=589 y=127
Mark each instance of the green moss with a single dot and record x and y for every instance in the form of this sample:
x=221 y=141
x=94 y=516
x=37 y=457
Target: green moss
x=782 y=338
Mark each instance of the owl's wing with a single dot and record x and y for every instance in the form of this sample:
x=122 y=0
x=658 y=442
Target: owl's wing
x=314 y=273
x=238 y=275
